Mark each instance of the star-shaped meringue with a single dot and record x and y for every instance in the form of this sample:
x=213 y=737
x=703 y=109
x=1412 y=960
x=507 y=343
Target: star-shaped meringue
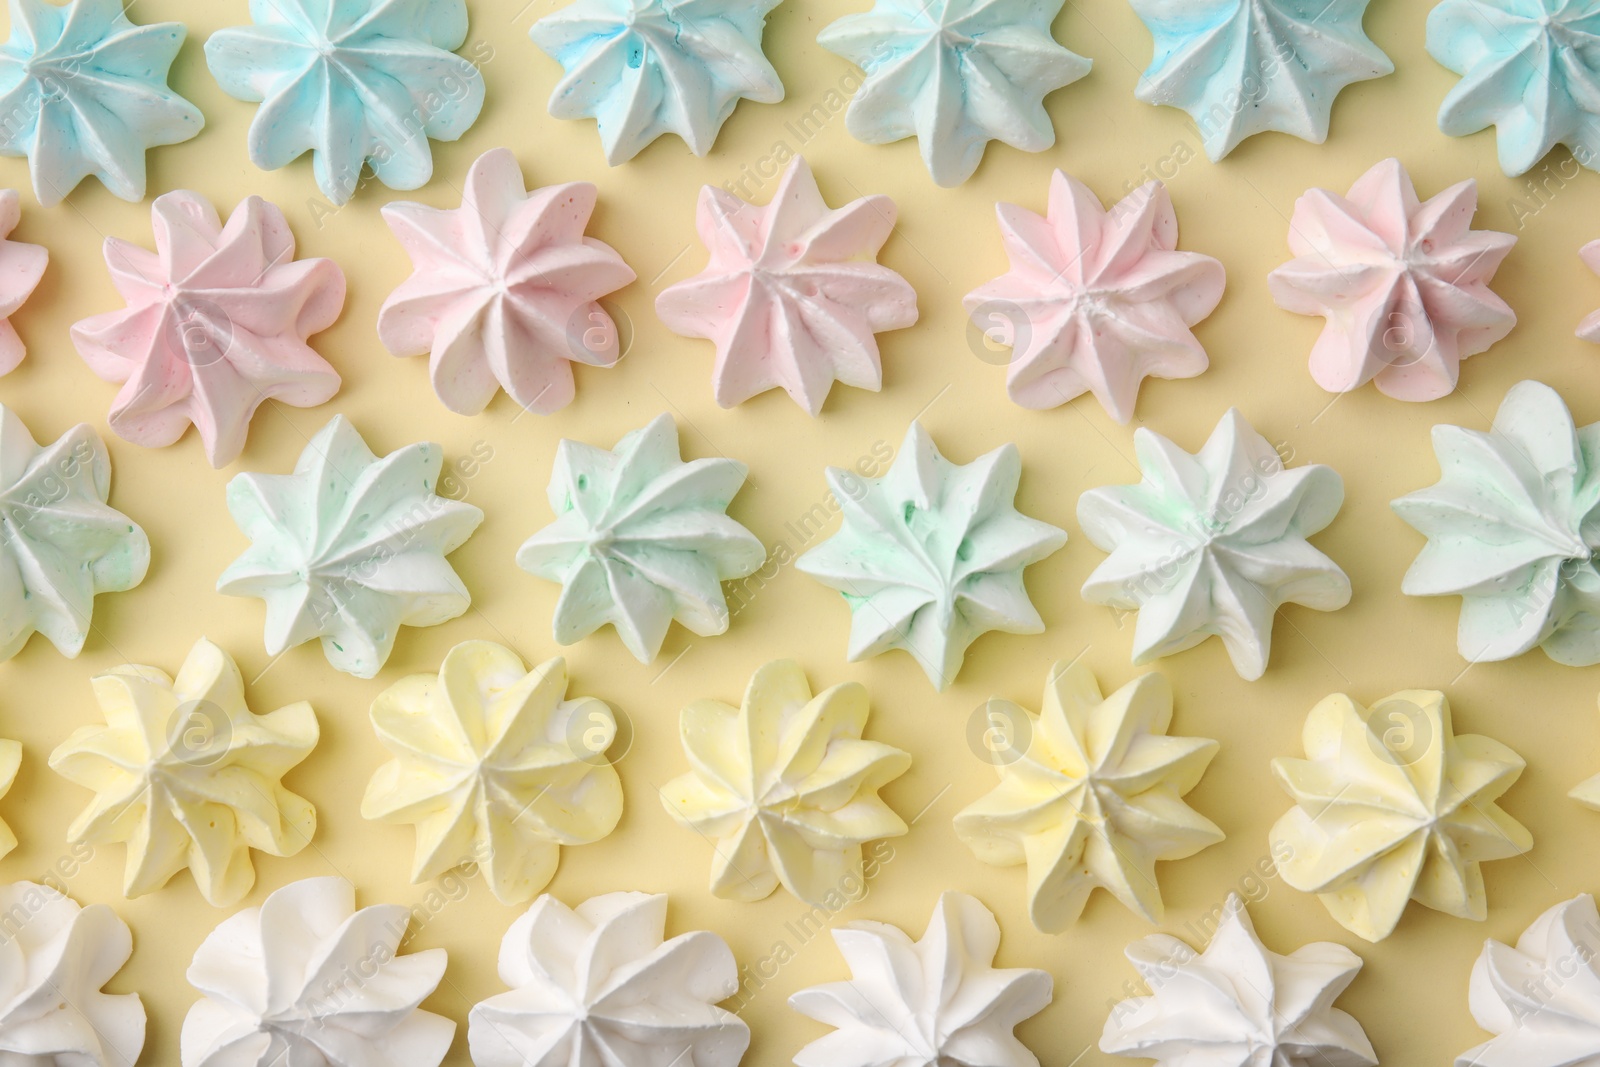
x=62 y=544
x=216 y=324
x=1238 y=1003
x=641 y=538
x=1243 y=67
x=642 y=68
x=1095 y=300
x=1213 y=543
x=350 y=547
x=495 y=767
x=930 y=556
x=793 y=294
x=954 y=74
x=84 y=91
x=1403 y=284
x=21 y=267
x=1512 y=530
x=503 y=289
x=1589 y=328
x=1095 y=798
x=1529 y=68
x=1391 y=805
x=935 y=1002
x=187 y=776
x=783 y=787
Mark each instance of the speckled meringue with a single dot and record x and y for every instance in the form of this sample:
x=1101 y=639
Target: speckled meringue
x=10 y=763
x=1529 y=68
x=1391 y=805
x=307 y=979
x=356 y=83
x=1092 y=796
x=935 y=1002
x=1403 y=284
x=216 y=324
x=1511 y=528
x=21 y=266
x=783 y=787
x=1243 y=67
x=1095 y=300
x=495 y=767
x=66 y=63
x=1238 y=1003
x=955 y=74
x=187 y=776
x=793 y=294
x=63 y=544
x=641 y=538
x=597 y=984
x=350 y=547
x=642 y=68
x=1589 y=328
x=503 y=289
x=1213 y=543
x=930 y=556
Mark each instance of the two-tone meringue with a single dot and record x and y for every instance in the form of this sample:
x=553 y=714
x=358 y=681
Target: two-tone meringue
x=793 y=294
x=21 y=266
x=1589 y=328
x=598 y=984
x=1096 y=300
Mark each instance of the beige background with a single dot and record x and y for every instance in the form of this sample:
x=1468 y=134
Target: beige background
x=946 y=244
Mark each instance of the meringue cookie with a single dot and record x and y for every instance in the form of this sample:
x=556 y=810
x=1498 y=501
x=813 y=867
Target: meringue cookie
x=793 y=293
x=356 y=83
x=597 y=984
x=1529 y=68
x=10 y=763
x=1541 y=999
x=56 y=957
x=1511 y=530
x=1238 y=1003
x=21 y=267
x=1095 y=300
x=1391 y=805
x=642 y=68
x=1589 y=328
x=956 y=74
x=784 y=788
x=187 y=776
x=216 y=324
x=1095 y=798
x=306 y=978
x=1403 y=284
x=349 y=547
x=935 y=1002
x=1586 y=792
x=930 y=556
x=641 y=538
x=84 y=91
x=503 y=289
x=64 y=544
x=1243 y=67
x=495 y=767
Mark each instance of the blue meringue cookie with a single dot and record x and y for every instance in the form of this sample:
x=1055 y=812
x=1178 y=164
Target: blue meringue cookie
x=1243 y=67
x=956 y=74
x=354 y=82
x=84 y=91
x=1529 y=68
x=642 y=68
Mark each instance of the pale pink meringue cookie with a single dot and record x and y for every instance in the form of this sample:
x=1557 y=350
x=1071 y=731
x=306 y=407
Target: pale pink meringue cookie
x=216 y=323
x=503 y=289
x=1589 y=328
x=1403 y=284
x=21 y=267
x=1095 y=300
x=792 y=295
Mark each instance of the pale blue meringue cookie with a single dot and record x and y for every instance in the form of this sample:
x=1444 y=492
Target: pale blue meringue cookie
x=354 y=82
x=955 y=74
x=642 y=68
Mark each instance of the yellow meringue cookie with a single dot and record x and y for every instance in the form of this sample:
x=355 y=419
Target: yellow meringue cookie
x=10 y=761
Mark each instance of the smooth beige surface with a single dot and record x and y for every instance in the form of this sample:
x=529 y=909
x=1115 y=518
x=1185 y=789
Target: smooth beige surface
x=946 y=244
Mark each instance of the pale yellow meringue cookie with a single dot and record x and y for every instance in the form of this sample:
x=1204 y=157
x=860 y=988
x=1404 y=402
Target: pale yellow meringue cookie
x=10 y=761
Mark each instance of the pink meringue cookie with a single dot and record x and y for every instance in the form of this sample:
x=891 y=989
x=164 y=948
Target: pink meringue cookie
x=216 y=323
x=21 y=267
x=1403 y=284
x=791 y=295
x=1589 y=328
x=1095 y=300
x=503 y=289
